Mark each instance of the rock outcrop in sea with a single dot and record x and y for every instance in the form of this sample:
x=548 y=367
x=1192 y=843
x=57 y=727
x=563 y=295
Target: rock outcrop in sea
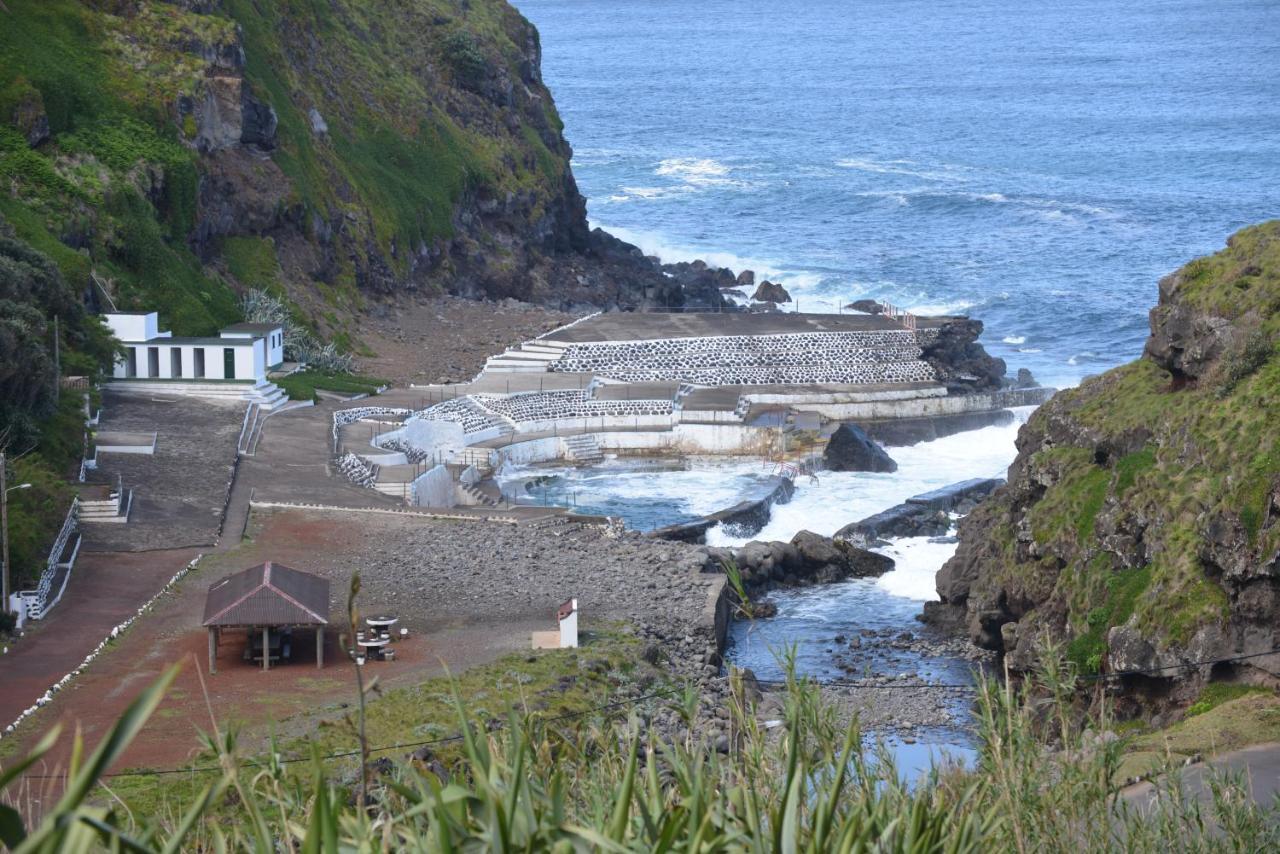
x=1139 y=526
x=850 y=449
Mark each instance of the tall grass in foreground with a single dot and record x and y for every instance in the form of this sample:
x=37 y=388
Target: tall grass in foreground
x=1042 y=783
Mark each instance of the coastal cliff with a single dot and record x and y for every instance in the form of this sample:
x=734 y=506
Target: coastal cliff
x=1139 y=524
x=190 y=150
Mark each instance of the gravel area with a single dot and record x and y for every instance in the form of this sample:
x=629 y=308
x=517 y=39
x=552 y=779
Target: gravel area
x=446 y=339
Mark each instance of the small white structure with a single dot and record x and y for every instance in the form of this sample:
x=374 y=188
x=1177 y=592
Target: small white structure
x=241 y=354
x=566 y=636
x=244 y=351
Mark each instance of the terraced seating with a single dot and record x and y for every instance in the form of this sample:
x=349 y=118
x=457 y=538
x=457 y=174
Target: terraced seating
x=574 y=403
x=465 y=411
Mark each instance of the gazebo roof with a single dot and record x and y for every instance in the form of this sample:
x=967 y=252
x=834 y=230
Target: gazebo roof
x=269 y=594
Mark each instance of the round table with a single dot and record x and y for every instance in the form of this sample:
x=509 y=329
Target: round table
x=385 y=621
x=373 y=642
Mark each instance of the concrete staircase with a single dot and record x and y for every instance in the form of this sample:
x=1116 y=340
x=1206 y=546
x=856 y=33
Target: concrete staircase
x=476 y=496
x=529 y=357
x=266 y=394
x=582 y=449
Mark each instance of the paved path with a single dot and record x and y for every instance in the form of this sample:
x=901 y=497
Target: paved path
x=644 y=326
x=1260 y=765
x=105 y=590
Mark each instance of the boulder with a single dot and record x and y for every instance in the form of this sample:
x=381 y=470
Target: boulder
x=318 y=125
x=849 y=560
x=866 y=306
x=850 y=449
x=746 y=278
x=771 y=292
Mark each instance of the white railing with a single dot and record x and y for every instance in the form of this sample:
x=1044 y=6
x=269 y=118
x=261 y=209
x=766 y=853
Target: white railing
x=38 y=601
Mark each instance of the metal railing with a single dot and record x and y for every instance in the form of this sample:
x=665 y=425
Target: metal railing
x=37 y=601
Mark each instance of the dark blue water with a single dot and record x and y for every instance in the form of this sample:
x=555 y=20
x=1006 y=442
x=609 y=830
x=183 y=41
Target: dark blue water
x=1036 y=164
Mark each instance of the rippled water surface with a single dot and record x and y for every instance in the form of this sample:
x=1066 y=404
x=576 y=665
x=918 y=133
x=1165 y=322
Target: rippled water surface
x=1038 y=164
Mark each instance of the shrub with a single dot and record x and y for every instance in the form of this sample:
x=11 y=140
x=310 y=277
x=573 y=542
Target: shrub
x=465 y=57
x=299 y=344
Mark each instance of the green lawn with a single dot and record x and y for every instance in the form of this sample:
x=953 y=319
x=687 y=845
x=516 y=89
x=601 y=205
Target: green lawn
x=303 y=384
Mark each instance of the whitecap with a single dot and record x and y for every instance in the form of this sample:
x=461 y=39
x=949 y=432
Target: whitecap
x=945 y=172
x=931 y=309
x=1014 y=339
x=692 y=169
x=1031 y=350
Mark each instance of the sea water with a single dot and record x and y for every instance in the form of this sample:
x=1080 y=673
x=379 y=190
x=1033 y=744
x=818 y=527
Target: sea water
x=1038 y=164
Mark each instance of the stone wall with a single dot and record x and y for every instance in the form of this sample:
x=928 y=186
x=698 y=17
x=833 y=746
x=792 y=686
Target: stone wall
x=880 y=356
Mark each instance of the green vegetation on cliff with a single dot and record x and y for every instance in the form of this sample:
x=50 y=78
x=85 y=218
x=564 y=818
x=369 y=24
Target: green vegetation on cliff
x=372 y=146
x=1146 y=498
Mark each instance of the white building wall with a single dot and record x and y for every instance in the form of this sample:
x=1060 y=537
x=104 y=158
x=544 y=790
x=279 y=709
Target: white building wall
x=133 y=327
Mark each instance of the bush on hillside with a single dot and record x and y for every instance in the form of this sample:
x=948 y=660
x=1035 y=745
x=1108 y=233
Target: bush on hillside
x=299 y=344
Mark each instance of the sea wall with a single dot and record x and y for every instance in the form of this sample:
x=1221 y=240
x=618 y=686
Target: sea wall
x=743 y=519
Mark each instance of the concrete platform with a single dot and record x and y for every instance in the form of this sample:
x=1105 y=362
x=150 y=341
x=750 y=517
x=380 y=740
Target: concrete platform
x=644 y=327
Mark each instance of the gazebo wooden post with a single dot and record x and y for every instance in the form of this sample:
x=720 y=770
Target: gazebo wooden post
x=266 y=649
x=213 y=649
x=319 y=647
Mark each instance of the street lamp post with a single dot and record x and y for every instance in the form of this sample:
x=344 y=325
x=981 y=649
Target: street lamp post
x=4 y=532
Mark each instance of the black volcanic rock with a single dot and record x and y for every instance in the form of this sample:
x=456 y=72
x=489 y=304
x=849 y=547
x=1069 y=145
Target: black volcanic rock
x=960 y=361
x=771 y=292
x=850 y=449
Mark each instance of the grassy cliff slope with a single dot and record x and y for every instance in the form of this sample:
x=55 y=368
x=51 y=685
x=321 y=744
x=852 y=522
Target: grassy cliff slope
x=1139 y=525
x=190 y=149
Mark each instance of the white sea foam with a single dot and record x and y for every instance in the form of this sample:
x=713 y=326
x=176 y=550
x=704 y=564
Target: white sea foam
x=945 y=172
x=916 y=563
x=843 y=497
x=797 y=282
x=1014 y=339
x=932 y=309
x=694 y=170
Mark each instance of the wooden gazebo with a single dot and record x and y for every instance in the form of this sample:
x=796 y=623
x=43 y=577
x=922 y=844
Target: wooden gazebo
x=267 y=596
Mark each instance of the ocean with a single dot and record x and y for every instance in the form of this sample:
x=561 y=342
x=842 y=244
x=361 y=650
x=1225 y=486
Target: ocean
x=1037 y=165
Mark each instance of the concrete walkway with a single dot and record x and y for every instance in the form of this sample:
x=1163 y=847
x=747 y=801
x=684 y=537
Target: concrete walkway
x=105 y=590
x=1259 y=764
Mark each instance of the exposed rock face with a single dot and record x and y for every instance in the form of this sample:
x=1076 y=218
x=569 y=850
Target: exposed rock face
x=1141 y=521
x=771 y=292
x=850 y=449
x=446 y=171
x=961 y=362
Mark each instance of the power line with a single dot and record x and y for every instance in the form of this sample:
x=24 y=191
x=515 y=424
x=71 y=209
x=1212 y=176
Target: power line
x=344 y=754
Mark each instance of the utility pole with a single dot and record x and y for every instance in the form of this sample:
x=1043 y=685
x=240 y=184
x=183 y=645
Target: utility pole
x=5 y=489
x=4 y=535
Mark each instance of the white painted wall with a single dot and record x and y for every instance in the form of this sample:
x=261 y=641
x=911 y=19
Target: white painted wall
x=133 y=327
x=434 y=488
x=569 y=629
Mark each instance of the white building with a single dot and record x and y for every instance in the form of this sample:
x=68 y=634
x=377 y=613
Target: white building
x=241 y=354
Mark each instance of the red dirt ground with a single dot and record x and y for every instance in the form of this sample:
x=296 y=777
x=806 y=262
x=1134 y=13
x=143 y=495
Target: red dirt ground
x=239 y=692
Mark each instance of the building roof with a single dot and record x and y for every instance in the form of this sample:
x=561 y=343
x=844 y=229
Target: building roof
x=262 y=328
x=190 y=342
x=269 y=594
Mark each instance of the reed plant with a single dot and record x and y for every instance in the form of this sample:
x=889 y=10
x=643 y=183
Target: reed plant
x=1044 y=780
